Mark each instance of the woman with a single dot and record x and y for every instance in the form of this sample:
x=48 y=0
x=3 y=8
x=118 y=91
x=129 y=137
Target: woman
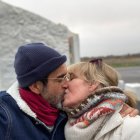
x=93 y=101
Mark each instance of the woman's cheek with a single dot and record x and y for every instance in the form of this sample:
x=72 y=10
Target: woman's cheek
x=69 y=102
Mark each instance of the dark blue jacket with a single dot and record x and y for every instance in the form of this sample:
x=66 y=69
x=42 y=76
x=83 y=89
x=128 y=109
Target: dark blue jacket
x=17 y=124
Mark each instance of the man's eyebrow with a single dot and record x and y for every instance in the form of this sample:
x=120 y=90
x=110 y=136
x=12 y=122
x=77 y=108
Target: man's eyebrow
x=61 y=76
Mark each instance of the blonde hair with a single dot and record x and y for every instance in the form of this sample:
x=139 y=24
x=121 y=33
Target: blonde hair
x=103 y=73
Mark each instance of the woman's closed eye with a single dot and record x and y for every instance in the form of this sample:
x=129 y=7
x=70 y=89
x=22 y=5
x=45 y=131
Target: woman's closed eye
x=72 y=76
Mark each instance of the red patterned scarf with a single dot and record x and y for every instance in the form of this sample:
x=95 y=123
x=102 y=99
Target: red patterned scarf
x=44 y=111
x=104 y=108
x=103 y=102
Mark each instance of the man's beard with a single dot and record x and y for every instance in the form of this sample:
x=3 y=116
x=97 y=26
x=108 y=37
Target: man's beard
x=59 y=106
x=54 y=101
x=57 y=103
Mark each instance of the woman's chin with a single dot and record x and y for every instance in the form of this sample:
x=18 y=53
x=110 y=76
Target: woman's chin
x=65 y=104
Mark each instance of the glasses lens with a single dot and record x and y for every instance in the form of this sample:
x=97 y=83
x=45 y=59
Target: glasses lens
x=67 y=77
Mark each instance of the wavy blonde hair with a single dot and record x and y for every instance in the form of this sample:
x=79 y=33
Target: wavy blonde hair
x=103 y=73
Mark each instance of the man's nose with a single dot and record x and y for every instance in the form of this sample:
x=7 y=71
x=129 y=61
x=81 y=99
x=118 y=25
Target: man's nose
x=65 y=84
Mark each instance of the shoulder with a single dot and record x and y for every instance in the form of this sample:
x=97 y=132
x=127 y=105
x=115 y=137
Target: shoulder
x=130 y=128
x=7 y=103
x=3 y=96
x=3 y=93
x=132 y=121
x=5 y=115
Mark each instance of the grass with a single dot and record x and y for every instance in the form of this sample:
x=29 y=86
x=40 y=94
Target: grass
x=123 y=62
x=120 y=61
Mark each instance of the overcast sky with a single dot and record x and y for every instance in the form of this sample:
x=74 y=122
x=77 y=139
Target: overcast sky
x=105 y=27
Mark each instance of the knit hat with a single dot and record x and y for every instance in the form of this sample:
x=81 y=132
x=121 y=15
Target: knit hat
x=36 y=61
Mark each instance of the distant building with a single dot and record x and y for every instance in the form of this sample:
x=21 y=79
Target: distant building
x=18 y=26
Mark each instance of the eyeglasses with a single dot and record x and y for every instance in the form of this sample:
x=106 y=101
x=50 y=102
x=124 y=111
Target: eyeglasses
x=64 y=78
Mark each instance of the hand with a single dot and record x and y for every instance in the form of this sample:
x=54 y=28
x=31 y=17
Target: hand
x=127 y=110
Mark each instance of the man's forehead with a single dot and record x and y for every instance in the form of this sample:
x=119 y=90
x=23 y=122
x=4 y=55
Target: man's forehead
x=61 y=70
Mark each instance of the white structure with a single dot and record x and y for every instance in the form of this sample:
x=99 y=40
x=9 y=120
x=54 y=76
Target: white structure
x=74 y=48
x=121 y=84
x=134 y=87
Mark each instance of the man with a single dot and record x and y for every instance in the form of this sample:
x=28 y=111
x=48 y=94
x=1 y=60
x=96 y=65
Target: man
x=31 y=114
x=29 y=109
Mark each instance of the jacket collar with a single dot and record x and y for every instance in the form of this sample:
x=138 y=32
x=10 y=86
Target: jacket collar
x=14 y=92
x=114 y=121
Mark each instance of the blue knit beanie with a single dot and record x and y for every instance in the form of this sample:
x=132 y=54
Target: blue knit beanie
x=36 y=61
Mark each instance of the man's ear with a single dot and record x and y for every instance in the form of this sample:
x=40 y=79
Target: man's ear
x=93 y=86
x=36 y=87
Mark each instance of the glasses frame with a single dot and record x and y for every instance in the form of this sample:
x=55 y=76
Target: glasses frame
x=64 y=78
